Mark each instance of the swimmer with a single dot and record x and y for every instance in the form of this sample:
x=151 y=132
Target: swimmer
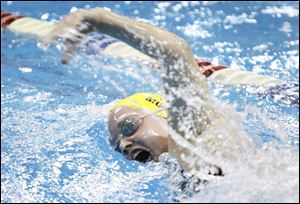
x=138 y=124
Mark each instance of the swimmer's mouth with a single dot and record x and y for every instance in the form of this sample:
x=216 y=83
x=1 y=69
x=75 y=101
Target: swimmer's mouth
x=141 y=155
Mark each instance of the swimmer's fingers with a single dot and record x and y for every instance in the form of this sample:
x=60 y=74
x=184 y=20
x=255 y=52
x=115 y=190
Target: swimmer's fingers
x=72 y=30
x=68 y=53
x=69 y=36
x=67 y=23
x=72 y=38
x=70 y=44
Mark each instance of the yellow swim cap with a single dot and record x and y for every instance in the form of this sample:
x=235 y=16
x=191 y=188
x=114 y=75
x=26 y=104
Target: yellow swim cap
x=150 y=101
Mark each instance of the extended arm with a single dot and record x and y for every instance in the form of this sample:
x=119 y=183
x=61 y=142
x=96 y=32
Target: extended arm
x=160 y=44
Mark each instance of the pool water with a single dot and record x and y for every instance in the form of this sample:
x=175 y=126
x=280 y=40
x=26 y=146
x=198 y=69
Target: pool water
x=54 y=136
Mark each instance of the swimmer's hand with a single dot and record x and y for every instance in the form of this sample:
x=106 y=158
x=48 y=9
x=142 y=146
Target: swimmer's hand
x=72 y=29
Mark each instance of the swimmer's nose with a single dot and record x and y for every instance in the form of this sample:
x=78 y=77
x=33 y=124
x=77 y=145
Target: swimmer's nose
x=125 y=147
x=134 y=152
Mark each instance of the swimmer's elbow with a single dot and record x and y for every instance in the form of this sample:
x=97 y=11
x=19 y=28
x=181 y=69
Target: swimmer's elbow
x=179 y=46
x=183 y=44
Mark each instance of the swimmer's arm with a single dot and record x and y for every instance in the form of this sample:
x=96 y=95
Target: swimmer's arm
x=164 y=46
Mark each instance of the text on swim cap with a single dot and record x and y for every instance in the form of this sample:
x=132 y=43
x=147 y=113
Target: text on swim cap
x=153 y=101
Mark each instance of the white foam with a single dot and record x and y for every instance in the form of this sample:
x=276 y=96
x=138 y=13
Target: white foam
x=243 y=18
x=25 y=69
x=286 y=10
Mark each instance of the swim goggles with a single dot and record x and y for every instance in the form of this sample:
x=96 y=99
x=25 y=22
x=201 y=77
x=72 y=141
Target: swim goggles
x=130 y=125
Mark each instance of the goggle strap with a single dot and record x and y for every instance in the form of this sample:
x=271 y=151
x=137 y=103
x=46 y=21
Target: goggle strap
x=153 y=112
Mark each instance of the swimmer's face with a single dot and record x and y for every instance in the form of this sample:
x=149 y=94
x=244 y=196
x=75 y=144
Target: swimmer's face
x=137 y=137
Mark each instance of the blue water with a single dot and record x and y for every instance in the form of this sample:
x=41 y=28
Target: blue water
x=54 y=137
